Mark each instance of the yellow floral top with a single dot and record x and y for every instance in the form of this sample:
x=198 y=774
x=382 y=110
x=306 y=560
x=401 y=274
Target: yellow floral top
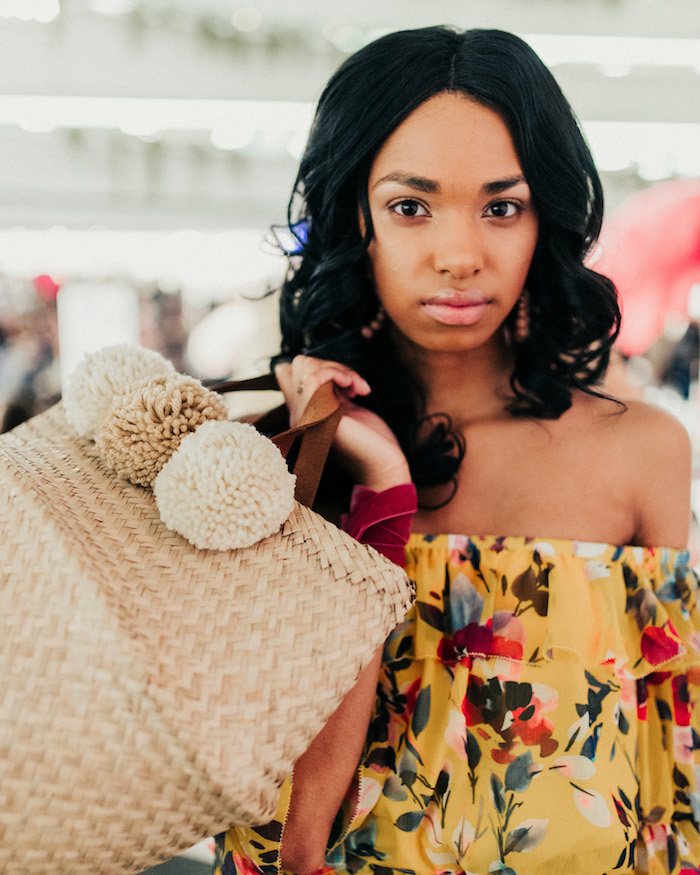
x=535 y=713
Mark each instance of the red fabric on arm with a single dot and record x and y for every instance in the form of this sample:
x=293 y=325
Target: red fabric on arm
x=382 y=519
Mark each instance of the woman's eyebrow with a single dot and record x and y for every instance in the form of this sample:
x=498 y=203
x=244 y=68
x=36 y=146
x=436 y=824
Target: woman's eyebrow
x=501 y=185
x=419 y=183
x=430 y=186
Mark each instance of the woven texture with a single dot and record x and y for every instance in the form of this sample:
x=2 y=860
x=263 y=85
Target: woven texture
x=153 y=694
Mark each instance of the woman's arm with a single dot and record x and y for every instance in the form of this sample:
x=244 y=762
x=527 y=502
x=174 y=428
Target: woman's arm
x=322 y=776
x=370 y=453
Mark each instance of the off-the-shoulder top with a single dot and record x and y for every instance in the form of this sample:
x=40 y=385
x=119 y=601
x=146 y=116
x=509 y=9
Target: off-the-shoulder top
x=536 y=713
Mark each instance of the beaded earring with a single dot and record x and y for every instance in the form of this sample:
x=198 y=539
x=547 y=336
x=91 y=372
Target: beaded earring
x=522 y=318
x=368 y=331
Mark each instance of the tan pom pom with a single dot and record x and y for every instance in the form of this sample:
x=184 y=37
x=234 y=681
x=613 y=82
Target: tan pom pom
x=148 y=420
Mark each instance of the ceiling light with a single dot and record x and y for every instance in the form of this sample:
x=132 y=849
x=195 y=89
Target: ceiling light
x=615 y=51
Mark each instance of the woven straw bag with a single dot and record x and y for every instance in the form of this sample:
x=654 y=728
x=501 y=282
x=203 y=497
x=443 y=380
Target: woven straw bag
x=154 y=694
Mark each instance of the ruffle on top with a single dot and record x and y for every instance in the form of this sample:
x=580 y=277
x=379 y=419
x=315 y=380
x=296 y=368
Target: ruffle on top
x=543 y=602
x=581 y=601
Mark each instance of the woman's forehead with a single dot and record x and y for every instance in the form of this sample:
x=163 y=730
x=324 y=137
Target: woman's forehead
x=450 y=134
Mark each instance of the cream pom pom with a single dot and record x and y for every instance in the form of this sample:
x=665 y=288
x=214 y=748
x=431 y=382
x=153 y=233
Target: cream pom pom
x=100 y=375
x=226 y=487
x=147 y=421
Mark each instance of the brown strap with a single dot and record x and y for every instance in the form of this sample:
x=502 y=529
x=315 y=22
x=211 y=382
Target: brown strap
x=252 y=384
x=317 y=429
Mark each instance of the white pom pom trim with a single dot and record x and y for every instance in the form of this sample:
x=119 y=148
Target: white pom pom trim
x=227 y=486
x=100 y=375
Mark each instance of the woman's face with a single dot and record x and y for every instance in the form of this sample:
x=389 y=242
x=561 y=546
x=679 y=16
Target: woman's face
x=454 y=225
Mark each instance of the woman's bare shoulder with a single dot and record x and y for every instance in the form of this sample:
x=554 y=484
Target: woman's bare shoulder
x=644 y=439
x=642 y=455
x=646 y=427
x=651 y=449
x=628 y=418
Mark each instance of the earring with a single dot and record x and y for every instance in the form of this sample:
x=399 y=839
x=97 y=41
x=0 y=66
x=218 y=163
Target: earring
x=522 y=318
x=368 y=331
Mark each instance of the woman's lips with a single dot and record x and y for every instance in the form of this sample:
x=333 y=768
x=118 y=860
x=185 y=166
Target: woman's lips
x=460 y=308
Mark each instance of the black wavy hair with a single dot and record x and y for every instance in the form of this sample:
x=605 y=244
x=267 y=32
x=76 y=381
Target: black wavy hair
x=328 y=296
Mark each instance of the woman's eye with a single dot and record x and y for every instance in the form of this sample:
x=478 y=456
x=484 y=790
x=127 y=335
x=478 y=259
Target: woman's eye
x=504 y=209
x=409 y=208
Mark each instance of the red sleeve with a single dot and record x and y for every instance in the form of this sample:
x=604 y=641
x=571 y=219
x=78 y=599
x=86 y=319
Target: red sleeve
x=382 y=519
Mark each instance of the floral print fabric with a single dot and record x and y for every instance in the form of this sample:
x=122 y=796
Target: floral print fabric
x=535 y=713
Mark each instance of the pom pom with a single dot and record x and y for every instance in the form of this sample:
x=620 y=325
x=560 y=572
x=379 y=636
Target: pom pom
x=100 y=375
x=226 y=487
x=147 y=421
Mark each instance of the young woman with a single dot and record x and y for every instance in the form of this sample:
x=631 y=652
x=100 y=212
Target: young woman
x=534 y=713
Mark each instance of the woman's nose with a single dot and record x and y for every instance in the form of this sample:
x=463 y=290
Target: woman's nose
x=458 y=248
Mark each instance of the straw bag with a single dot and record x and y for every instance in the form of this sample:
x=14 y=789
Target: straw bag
x=153 y=694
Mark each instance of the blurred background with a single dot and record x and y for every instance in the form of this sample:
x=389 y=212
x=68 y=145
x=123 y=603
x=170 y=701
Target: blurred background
x=148 y=146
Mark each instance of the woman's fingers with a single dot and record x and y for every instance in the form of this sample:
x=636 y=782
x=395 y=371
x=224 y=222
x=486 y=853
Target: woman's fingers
x=348 y=381
x=366 y=446
x=301 y=377
x=283 y=373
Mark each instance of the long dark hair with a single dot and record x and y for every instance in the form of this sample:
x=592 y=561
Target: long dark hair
x=328 y=296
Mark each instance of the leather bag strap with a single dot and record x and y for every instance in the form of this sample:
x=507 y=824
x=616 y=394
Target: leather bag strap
x=316 y=431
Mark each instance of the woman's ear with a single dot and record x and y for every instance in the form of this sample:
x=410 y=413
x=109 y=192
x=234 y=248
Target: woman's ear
x=364 y=216
x=361 y=221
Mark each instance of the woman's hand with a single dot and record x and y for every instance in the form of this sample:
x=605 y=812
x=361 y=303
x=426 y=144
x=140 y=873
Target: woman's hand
x=366 y=446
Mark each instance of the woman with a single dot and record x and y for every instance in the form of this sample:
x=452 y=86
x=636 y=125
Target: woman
x=534 y=712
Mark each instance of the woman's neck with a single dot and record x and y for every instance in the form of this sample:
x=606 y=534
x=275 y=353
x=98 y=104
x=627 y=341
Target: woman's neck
x=469 y=385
